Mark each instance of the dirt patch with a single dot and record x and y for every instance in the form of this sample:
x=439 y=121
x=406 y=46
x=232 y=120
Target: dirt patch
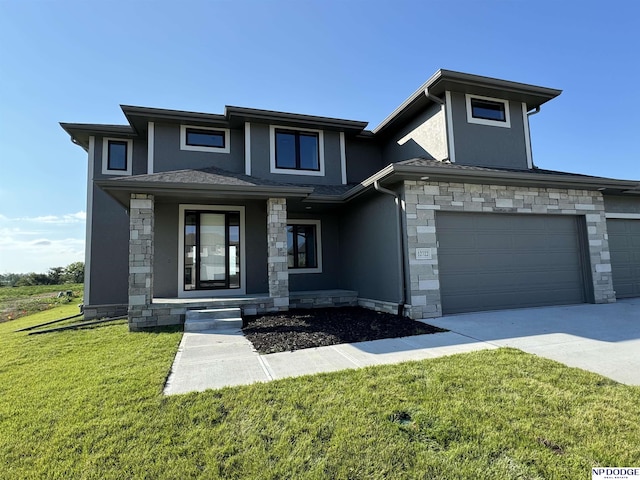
x=297 y=329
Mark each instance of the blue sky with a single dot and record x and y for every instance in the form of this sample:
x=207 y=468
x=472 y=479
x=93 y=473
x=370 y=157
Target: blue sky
x=78 y=61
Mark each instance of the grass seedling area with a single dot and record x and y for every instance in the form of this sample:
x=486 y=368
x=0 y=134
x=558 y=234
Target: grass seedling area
x=88 y=404
x=16 y=302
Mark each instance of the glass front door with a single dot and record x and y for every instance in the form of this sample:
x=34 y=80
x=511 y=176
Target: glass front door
x=211 y=250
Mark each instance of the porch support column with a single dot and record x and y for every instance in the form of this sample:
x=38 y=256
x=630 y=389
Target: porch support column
x=277 y=252
x=141 y=230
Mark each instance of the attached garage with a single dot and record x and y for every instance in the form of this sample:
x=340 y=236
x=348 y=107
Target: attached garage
x=490 y=261
x=624 y=245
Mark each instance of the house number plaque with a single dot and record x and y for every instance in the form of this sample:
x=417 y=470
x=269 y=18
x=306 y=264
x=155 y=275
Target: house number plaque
x=423 y=254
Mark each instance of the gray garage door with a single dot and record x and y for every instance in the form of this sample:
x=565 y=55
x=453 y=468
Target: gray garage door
x=496 y=261
x=624 y=244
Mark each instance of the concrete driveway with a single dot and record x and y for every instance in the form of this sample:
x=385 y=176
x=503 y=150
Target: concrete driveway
x=601 y=338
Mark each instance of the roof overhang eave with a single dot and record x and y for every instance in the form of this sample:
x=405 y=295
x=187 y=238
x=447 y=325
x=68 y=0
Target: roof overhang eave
x=395 y=173
x=516 y=178
x=122 y=189
x=444 y=80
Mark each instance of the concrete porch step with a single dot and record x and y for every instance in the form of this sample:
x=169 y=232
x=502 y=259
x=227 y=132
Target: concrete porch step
x=212 y=319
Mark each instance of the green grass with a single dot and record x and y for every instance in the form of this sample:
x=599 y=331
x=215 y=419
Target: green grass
x=16 y=302
x=88 y=404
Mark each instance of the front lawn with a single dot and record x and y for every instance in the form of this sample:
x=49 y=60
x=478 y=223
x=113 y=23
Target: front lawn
x=89 y=404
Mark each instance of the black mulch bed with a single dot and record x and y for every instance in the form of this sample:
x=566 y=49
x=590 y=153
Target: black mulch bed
x=297 y=329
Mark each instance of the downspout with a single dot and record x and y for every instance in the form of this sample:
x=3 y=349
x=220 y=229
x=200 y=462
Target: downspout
x=401 y=303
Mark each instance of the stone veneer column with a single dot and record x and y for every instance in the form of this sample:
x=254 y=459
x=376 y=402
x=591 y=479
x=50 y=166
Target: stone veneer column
x=141 y=217
x=423 y=199
x=277 y=252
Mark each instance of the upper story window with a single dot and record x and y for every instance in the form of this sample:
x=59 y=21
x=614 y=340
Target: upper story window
x=204 y=139
x=304 y=246
x=297 y=151
x=117 y=156
x=488 y=111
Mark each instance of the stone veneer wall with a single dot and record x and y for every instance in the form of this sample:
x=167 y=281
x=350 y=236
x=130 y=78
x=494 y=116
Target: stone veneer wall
x=141 y=233
x=103 y=311
x=277 y=265
x=378 y=305
x=323 y=298
x=423 y=199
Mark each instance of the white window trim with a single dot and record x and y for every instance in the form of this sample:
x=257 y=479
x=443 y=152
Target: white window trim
x=198 y=148
x=182 y=293
x=151 y=135
x=318 y=269
x=484 y=121
x=293 y=171
x=527 y=136
x=105 y=156
x=343 y=159
x=247 y=148
x=88 y=244
x=451 y=146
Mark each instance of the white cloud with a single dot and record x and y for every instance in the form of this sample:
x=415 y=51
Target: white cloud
x=35 y=244
x=79 y=217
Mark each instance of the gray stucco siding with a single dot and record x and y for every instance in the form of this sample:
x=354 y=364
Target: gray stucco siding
x=139 y=157
x=261 y=159
x=168 y=156
x=364 y=158
x=424 y=136
x=109 y=251
x=165 y=260
x=331 y=276
x=369 y=248
x=488 y=146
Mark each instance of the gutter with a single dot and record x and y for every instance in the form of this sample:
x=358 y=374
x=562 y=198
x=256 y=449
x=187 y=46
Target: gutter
x=402 y=253
x=433 y=98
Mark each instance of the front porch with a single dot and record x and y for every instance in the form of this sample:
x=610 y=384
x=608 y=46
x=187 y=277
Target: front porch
x=171 y=311
x=260 y=261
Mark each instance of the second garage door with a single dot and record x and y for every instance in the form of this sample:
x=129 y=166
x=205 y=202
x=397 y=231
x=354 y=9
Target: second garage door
x=495 y=261
x=624 y=244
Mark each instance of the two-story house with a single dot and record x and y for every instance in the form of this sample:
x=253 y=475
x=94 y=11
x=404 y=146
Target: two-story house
x=437 y=210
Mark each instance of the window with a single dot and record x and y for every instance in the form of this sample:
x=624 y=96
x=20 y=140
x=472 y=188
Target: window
x=304 y=247
x=297 y=151
x=116 y=156
x=488 y=111
x=204 y=139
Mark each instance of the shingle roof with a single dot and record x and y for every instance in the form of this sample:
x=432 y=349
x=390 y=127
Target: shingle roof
x=424 y=162
x=218 y=177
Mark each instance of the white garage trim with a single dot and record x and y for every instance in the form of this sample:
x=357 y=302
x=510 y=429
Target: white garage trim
x=630 y=216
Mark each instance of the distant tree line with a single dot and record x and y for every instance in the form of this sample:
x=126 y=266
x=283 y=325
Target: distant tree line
x=72 y=273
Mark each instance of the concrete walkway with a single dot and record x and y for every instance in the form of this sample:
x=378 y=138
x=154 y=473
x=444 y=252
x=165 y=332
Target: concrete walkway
x=216 y=359
x=601 y=338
